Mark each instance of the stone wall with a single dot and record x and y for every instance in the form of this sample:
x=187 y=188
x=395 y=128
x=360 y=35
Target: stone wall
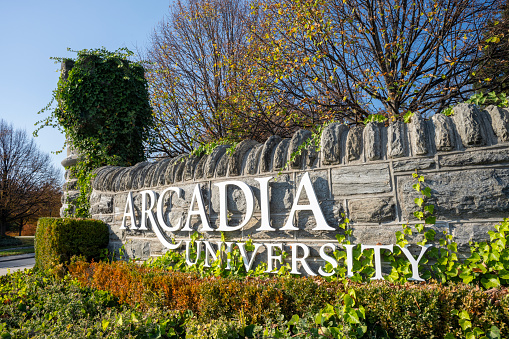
x=364 y=172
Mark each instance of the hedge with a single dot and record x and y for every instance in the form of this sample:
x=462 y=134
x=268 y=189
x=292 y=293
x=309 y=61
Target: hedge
x=392 y=310
x=57 y=240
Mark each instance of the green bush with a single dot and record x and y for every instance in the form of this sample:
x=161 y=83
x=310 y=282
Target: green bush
x=57 y=240
x=225 y=305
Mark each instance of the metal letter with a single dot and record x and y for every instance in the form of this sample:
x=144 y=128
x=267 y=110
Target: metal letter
x=223 y=209
x=415 y=263
x=264 y=204
x=160 y=215
x=209 y=251
x=378 y=258
x=313 y=206
x=201 y=211
x=271 y=257
x=245 y=257
x=146 y=212
x=327 y=258
x=304 y=264
x=349 y=260
x=188 y=253
x=130 y=214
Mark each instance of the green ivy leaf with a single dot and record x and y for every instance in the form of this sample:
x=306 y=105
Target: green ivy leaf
x=490 y=281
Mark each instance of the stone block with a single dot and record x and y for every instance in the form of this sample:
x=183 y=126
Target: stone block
x=373 y=235
x=478 y=193
x=199 y=172
x=280 y=155
x=147 y=180
x=237 y=158
x=222 y=165
x=281 y=194
x=411 y=165
x=190 y=167
x=213 y=159
x=417 y=128
x=312 y=156
x=373 y=210
x=330 y=143
x=320 y=181
x=367 y=179
x=253 y=159
x=396 y=142
x=158 y=178
x=465 y=232
x=469 y=158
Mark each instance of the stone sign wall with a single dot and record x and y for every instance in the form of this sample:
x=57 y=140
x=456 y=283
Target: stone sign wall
x=363 y=172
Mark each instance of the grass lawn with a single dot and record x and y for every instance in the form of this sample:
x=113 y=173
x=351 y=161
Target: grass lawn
x=17 y=251
x=25 y=242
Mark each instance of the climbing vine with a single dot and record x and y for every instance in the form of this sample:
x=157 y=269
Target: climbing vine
x=103 y=108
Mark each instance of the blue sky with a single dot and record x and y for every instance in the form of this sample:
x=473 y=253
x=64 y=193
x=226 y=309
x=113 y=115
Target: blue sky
x=33 y=31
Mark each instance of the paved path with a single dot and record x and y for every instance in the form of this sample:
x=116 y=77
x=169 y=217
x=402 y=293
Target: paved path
x=16 y=263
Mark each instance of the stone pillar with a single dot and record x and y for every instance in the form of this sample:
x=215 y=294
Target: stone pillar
x=71 y=189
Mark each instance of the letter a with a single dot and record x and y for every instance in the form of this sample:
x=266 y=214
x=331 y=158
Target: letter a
x=313 y=206
x=129 y=214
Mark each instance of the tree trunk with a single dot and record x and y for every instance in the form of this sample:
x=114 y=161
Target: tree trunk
x=3 y=227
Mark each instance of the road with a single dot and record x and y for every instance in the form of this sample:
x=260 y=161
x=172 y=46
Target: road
x=16 y=263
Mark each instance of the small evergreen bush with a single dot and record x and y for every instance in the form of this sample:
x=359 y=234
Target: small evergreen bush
x=57 y=240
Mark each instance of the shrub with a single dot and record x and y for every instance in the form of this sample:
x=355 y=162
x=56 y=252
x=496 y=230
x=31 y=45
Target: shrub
x=57 y=240
x=226 y=305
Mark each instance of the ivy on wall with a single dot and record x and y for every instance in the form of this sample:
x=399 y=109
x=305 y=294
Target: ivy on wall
x=103 y=108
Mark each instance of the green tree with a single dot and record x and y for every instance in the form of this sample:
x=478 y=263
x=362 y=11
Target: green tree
x=493 y=72
x=349 y=59
x=103 y=108
x=28 y=181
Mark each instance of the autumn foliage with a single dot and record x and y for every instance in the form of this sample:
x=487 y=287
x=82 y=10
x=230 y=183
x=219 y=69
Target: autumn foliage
x=402 y=310
x=248 y=69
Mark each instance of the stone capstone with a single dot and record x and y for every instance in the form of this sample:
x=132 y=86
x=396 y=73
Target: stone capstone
x=280 y=153
x=237 y=159
x=499 y=121
x=330 y=143
x=418 y=129
x=444 y=135
x=373 y=141
x=213 y=159
x=268 y=152
x=299 y=138
x=354 y=143
x=468 y=123
x=396 y=143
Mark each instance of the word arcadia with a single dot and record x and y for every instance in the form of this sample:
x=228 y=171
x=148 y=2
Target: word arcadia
x=158 y=223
